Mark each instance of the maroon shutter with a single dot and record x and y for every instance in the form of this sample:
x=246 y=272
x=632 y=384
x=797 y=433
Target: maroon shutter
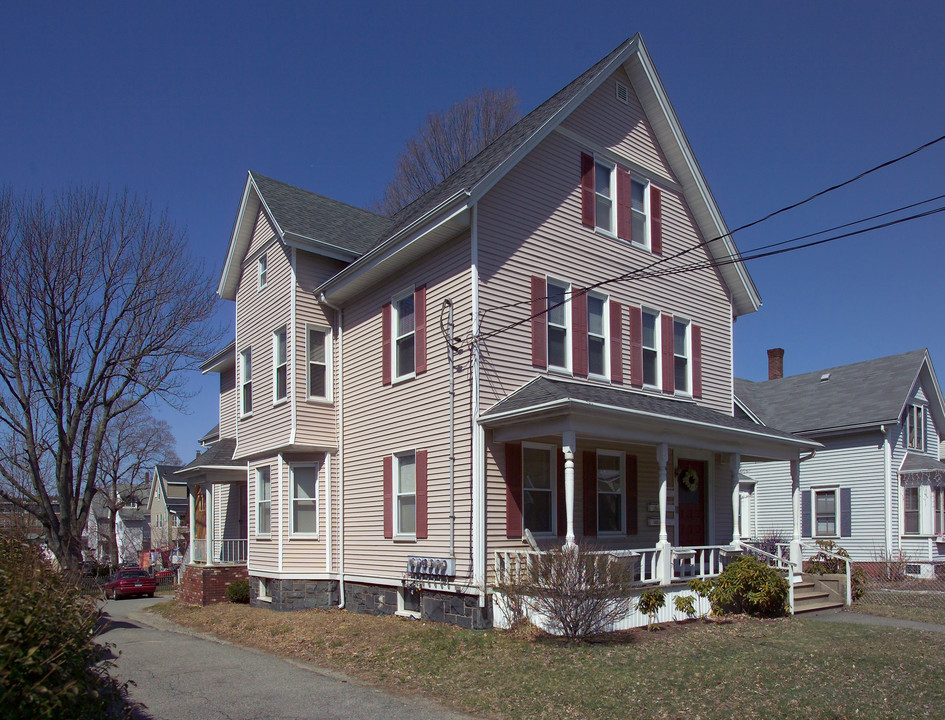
x=420 y=328
x=513 y=490
x=696 y=362
x=669 y=377
x=624 y=205
x=539 y=328
x=590 y=493
x=636 y=347
x=587 y=190
x=421 y=469
x=388 y=496
x=631 y=479
x=385 y=344
x=656 y=221
x=616 y=342
x=562 y=508
x=579 y=330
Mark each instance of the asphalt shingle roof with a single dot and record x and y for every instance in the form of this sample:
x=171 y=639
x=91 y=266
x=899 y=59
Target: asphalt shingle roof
x=220 y=454
x=864 y=393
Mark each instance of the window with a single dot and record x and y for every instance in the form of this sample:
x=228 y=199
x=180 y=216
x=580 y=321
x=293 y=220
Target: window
x=262 y=501
x=638 y=211
x=604 y=197
x=246 y=380
x=280 y=365
x=681 y=355
x=403 y=322
x=557 y=298
x=651 y=348
x=910 y=511
x=915 y=427
x=262 y=265
x=538 y=501
x=405 y=494
x=939 y=511
x=305 y=499
x=596 y=335
x=319 y=351
x=610 y=492
x=264 y=590
x=825 y=513
x=408 y=601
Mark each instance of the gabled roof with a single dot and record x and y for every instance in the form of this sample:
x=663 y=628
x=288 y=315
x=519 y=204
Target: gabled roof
x=162 y=475
x=220 y=360
x=849 y=397
x=218 y=456
x=212 y=436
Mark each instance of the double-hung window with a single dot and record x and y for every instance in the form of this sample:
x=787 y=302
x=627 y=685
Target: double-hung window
x=405 y=493
x=651 y=348
x=910 y=511
x=604 y=192
x=558 y=347
x=915 y=427
x=262 y=501
x=305 y=498
x=597 y=335
x=262 y=268
x=319 y=352
x=639 y=227
x=825 y=513
x=681 y=355
x=404 y=335
x=538 y=483
x=246 y=381
x=939 y=519
x=610 y=492
x=280 y=363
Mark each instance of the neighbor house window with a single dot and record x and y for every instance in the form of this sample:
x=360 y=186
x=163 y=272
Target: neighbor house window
x=262 y=501
x=910 y=511
x=262 y=266
x=825 y=513
x=596 y=335
x=651 y=348
x=639 y=227
x=246 y=381
x=681 y=355
x=557 y=296
x=304 y=498
x=604 y=197
x=610 y=492
x=404 y=335
x=405 y=498
x=318 y=354
x=915 y=427
x=538 y=483
x=280 y=364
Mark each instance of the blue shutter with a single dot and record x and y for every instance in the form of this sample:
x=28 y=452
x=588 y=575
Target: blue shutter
x=805 y=514
x=845 y=515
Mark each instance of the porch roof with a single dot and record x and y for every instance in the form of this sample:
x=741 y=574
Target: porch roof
x=218 y=456
x=547 y=405
x=919 y=469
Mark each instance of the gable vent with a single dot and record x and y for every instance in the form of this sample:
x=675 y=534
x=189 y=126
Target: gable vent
x=623 y=93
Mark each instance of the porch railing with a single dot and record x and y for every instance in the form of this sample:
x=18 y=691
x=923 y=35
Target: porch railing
x=230 y=550
x=700 y=561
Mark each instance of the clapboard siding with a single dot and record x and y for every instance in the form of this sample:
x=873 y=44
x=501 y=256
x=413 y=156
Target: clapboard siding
x=302 y=554
x=228 y=403
x=263 y=552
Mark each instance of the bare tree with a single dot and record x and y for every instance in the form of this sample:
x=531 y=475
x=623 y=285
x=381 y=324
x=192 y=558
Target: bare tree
x=101 y=308
x=134 y=441
x=445 y=142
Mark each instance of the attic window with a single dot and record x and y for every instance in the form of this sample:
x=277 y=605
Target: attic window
x=825 y=377
x=623 y=93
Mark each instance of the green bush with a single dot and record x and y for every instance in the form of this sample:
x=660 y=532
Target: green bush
x=238 y=591
x=650 y=603
x=50 y=666
x=823 y=564
x=749 y=586
x=686 y=604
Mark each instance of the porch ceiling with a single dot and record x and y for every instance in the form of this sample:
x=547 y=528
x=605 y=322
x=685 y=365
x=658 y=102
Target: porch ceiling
x=547 y=406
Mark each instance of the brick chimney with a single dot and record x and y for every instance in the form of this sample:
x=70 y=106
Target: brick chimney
x=775 y=363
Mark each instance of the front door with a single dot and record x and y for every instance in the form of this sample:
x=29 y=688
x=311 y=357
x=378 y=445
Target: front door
x=690 y=500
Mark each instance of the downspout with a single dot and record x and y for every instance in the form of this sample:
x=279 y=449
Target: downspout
x=341 y=453
x=478 y=539
x=451 y=352
x=887 y=488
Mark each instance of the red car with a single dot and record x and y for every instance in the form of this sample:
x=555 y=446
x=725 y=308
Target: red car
x=126 y=583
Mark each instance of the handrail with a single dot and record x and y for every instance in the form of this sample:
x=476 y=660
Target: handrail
x=847 y=562
x=781 y=563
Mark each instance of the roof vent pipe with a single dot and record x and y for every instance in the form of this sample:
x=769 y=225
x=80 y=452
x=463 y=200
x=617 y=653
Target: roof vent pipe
x=775 y=363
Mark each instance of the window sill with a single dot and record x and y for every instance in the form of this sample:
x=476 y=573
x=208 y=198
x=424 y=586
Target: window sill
x=405 y=538
x=266 y=599
x=263 y=537
x=283 y=401
x=408 y=614
x=403 y=378
x=247 y=416
x=314 y=400
x=304 y=536
x=555 y=370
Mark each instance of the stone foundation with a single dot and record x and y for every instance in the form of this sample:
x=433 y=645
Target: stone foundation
x=296 y=594
x=201 y=585
x=461 y=610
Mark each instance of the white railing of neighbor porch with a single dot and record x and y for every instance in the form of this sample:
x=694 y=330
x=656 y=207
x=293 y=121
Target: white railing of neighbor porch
x=230 y=550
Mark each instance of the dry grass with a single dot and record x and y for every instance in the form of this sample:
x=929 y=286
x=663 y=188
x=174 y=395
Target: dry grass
x=742 y=668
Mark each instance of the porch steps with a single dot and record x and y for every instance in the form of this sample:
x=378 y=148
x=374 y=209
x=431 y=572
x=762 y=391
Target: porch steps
x=810 y=595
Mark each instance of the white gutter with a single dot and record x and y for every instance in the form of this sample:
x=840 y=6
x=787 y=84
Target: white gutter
x=341 y=452
x=887 y=488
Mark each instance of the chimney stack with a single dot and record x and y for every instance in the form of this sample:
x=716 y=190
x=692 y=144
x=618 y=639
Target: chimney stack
x=775 y=363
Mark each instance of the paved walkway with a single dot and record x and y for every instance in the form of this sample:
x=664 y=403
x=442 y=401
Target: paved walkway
x=855 y=618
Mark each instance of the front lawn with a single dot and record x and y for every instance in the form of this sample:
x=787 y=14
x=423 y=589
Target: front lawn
x=742 y=668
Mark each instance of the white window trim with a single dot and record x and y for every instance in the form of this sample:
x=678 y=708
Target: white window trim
x=264 y=595
x=688 y=391
x=836 y=511
x=569 y=331
x=623 y=491
x=396 y=495
x=262 y=271
x=553 y=475
x=914 y=411
x=920 y=504
x=276 y=365
x=292 y=499
x=647 y=225
x=259 y=473
x=246 y=353
x=658 y=339
x=395 y=378
x=402 y=604
x=327 y=397
x=612 y=168
x=940 y=512
x=605 y=327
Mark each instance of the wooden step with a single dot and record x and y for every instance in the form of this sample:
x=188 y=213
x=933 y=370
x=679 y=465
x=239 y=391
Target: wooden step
x=817 y=607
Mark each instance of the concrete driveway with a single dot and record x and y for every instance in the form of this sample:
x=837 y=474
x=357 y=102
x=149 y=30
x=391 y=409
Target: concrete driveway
x=180 y=675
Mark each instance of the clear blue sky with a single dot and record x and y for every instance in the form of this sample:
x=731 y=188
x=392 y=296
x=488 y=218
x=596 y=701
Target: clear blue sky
x=178 y=100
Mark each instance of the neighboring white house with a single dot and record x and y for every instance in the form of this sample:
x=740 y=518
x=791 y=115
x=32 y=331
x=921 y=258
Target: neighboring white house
x=877 y=488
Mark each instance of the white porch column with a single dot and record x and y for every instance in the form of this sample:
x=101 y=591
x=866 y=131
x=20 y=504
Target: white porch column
x=568 y=445
x=208 y=503
x=663 y=547
x=190 y=523
x=734 y=464
x=796 y=555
